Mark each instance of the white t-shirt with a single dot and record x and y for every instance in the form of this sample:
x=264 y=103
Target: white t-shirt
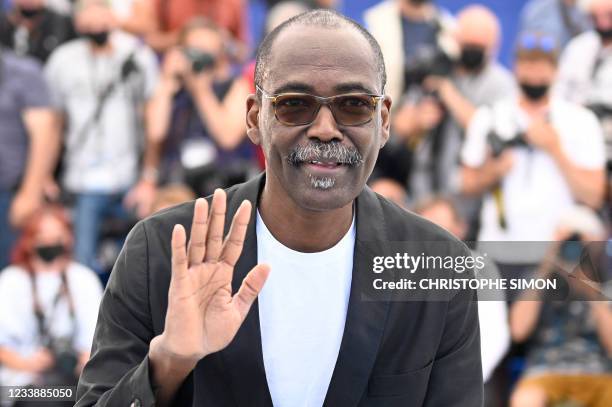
x=535 y=192
x=18 y=325
x=579 y=81
x=302 y=311
x=104 y=157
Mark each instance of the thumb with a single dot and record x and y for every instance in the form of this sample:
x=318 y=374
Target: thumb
x=250 y=289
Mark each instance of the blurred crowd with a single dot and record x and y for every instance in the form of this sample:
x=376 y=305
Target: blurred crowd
x=112 y=110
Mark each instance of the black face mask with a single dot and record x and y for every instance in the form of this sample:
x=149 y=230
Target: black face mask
x=50 y=253
x=27 y=12
x=472 y=57
x=534 y=92
x=99 y=38
x=605 y=34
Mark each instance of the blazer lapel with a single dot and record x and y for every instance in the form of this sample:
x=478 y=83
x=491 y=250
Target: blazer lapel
x=366 y=317
x=243 y=357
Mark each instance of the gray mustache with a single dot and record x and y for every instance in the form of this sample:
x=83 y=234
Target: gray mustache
x=325 y=151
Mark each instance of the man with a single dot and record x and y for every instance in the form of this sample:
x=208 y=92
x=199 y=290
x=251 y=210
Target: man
x=533 y=156
x=99 y=103
x=313 y=337
x=569 y=342
x=432 y=126
x=588 y=83
x=411 y=34
x=28 y=151
x=30 y=28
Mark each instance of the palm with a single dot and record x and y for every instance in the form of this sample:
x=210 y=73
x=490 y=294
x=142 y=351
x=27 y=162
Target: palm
x=203 y=316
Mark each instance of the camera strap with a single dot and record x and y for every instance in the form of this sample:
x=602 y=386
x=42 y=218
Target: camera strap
x=128 y=67
x=64 y=291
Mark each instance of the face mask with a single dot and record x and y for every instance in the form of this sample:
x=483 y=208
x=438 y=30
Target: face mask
x=605 y=34
x=50 y=253
x=534 y=92
x=99 y=38
x=472 y=57
x=27 y=12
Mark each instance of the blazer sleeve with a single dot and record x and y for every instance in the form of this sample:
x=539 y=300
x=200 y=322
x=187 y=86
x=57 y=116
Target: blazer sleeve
x=117 y=373
x=456 y=377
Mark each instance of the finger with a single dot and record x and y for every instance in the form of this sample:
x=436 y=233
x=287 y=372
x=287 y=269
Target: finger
x=214 y=241
x=179 y=254
x=199 y=226
x=250 y=288
x=232 y=247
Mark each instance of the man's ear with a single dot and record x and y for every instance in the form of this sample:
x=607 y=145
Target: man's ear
x=252 y=119
x=385 y=113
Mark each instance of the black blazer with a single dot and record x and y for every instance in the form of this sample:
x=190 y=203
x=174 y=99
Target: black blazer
x=409 y=354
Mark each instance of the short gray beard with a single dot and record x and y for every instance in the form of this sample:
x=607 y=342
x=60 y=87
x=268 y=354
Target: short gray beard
x=322 y=182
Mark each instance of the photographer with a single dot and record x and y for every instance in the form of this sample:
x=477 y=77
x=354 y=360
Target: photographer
x=48 y=306
x=534 y=155
x=198 y=110
x=99 y=103
x=432 y=124
x=588 y=82
x=570 y=342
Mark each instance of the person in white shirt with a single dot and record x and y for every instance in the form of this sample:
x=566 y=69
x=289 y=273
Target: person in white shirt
x=46 y=299
x=589 y=81
x=99 y=86
x=533 y=156
x=492 y=308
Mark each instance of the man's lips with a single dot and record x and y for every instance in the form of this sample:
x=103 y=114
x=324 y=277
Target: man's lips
x=324 y=168
x=324 y=164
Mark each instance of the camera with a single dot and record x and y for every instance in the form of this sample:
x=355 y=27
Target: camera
x=499 y=143
x=427 y=61
x=66 y=358
x=200 y=60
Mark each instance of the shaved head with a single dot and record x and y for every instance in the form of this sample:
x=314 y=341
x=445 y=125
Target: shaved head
x=477 y=25
x=321 y=18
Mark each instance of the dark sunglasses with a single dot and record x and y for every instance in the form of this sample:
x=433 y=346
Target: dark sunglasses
x=535 y=42
x=299 y=109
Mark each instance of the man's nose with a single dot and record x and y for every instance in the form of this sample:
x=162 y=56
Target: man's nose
x=324 y=126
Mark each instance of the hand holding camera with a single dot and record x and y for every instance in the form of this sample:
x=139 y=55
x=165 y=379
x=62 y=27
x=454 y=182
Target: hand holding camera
x=188 y=67
x=541 y=134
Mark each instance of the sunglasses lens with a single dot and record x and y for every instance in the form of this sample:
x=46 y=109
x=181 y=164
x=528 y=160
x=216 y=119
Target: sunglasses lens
x=351 y=110
x=532 y=42
x=529 y=42
x=295 y=109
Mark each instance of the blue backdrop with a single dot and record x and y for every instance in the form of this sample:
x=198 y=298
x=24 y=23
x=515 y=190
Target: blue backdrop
x=507 y=11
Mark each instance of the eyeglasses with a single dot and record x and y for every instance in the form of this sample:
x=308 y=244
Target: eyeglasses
x=536 y=42
x=299 y=109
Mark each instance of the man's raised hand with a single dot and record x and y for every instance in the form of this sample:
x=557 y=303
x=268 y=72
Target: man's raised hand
x=203 y=316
